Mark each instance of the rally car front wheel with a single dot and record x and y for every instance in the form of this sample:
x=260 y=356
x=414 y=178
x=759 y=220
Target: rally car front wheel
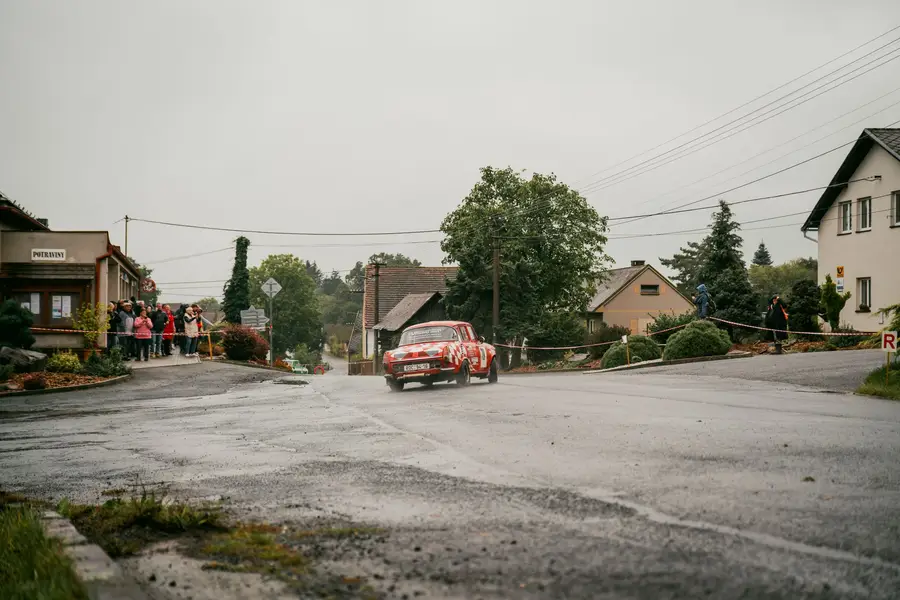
x=464 y=377
x=396 y=386
x=492 y=373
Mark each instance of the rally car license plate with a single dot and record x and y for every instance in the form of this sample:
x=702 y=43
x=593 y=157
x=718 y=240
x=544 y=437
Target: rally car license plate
x=418 y=367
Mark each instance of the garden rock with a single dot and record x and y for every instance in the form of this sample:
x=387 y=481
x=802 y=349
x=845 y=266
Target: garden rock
x=24 y=361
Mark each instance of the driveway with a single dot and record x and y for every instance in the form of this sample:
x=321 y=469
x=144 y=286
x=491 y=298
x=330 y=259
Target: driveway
x=639 y=485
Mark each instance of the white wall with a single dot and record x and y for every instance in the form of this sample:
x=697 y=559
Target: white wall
x=872 y=253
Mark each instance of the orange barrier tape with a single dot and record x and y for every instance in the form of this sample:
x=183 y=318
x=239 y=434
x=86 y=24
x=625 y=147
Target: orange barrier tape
x=583 y=345
x=855 y=333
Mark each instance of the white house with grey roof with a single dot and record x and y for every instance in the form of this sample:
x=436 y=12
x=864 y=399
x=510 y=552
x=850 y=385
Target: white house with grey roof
x=857 y=222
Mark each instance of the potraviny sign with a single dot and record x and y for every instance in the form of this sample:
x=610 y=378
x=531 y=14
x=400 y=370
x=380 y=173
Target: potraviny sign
x=48 y=255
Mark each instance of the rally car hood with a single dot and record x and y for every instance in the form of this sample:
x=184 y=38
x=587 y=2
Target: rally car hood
x=425 y=350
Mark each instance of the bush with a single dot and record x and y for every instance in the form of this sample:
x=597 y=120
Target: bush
x=6 y=371
x=64 y=362
x=700 y=338
x=109 y=365
x=15 y=325
x=803 y=307
x=606 y=333
x=554 y=330
x=243 y=344
x=35 y=381
x=844 y=341
x=664 y=321
x=640 y=348
x=306 y=356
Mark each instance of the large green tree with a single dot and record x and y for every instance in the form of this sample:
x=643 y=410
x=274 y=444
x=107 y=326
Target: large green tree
x=237 y=290
x=552 y=251
x=394 y=260
x=724 y=273
x=770 y=280
x=687 y=263
x=297 y=319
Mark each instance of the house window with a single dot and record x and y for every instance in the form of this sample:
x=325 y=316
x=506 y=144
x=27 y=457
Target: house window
x=864 y=288
x=865 y=214
x=846 y=216
x=650 y=290
x=50 y=309
x=590 y=326
x=895 y=209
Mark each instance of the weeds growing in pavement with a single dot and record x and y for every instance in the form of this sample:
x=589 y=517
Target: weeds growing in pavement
x=33 y=566
x=875 y=384
x=123 y=526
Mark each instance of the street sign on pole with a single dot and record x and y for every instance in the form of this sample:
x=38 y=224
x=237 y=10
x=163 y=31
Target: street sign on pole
x=270 y=288
x=889 y=341
x=254 y=317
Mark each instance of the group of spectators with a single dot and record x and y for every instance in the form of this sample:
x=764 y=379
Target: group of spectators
x=143 y=332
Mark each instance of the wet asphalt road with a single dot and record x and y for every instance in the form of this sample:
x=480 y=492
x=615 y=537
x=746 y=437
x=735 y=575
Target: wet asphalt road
x=634 y=485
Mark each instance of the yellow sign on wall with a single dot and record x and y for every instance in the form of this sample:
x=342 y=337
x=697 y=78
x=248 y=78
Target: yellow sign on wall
x=840 y=271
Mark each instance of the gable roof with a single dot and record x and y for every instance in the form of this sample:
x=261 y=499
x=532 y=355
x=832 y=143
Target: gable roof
x=405 y=310
x=20 y=217
x=620 y=279
x=398 y=282
x=888 y=139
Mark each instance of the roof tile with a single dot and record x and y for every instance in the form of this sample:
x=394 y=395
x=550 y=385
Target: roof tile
x=398 y=282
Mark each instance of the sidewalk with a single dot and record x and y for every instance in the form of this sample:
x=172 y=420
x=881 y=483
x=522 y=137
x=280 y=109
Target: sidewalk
x=176 y=360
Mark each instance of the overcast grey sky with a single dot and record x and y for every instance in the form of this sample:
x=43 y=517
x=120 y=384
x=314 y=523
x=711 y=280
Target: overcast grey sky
x=360 y=116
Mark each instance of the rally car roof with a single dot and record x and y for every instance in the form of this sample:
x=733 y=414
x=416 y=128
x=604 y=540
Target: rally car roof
x=438 y=324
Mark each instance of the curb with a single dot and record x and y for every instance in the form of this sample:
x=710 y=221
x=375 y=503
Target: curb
x=541 y=372
x=69 y=388
x=101 y=576
x=667 y=363
x=251 y=366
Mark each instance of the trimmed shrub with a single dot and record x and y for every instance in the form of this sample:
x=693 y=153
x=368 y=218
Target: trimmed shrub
x=664 y=321
x=700 y=338
x=6 y=371
x=15 y=325
x=109 y=365
x=243 y=344
x=64 y=362
x=606 y=333
x=844 y=341
x=640 y=348
x=35 y=381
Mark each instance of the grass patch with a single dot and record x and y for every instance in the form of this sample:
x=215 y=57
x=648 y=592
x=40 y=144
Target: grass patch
x=124 y=526
x=874 y=385
x=33 y=566
x=285 y=553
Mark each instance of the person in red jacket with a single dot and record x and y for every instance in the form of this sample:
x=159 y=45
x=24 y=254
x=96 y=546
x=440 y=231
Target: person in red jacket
x=168 y=331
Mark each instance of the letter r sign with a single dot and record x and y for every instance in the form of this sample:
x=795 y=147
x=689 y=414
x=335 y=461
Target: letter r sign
x=889 y=341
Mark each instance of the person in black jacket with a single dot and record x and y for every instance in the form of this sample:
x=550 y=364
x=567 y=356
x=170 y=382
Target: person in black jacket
x=115 y=324
x=159 y=318
x=777 y=318
x=179 y=328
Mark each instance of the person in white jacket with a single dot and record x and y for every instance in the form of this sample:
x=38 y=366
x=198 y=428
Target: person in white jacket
x=191 y=333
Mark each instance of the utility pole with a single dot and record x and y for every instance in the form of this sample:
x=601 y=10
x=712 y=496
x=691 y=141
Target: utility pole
x=496 y=319
x=126 y=234
x=375 y=322
x=271 y=333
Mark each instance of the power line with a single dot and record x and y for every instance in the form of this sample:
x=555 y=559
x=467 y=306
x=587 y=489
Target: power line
x=297 y=233
x=734 y=110
x=703 y=144
x=814 y=142
x=738 y=120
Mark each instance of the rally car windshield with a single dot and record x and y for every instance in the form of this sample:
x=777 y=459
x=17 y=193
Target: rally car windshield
x=423 y=335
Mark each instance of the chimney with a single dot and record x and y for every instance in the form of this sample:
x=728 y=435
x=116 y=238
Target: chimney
x=637 y=263
x=44 y=222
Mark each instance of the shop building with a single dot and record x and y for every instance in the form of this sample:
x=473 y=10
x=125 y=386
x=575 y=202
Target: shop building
x=53 y=273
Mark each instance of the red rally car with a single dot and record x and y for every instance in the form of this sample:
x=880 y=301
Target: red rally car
x=439 y=351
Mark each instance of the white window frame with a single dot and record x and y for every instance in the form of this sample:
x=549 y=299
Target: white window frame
x=865 y=297
x=895 y=209
x=590 y=325
x=845 y=209
x=864 y=207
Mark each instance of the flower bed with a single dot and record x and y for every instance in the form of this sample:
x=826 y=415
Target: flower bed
x=53 y=380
